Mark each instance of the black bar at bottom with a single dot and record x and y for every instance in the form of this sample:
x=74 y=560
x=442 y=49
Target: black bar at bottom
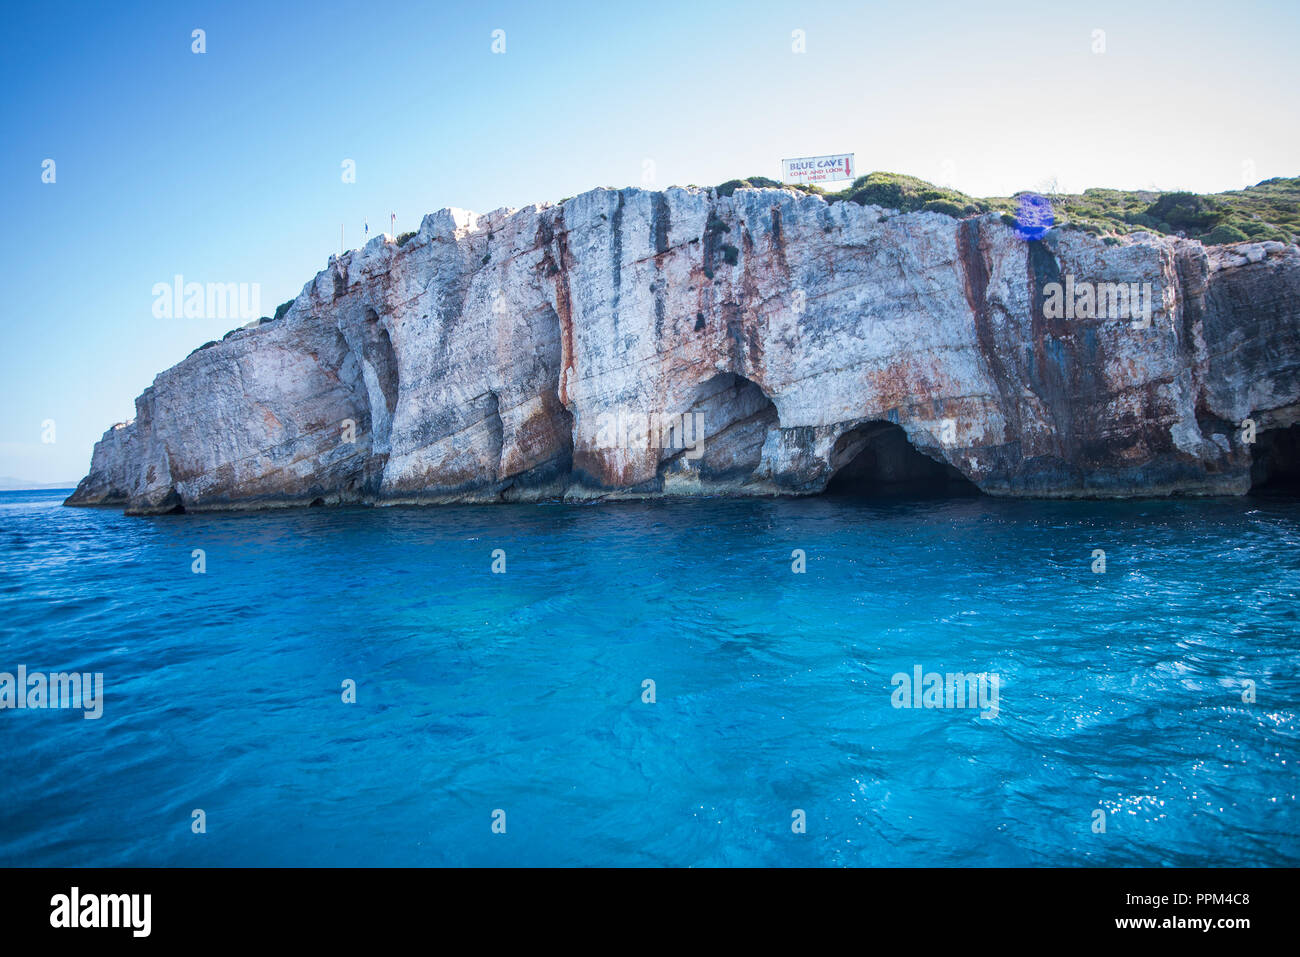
x=1226 y=906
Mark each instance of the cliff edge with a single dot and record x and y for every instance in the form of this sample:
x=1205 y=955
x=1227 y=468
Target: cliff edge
x=550 y=352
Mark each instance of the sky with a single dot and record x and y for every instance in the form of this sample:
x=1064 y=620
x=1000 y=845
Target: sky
x=227 y=166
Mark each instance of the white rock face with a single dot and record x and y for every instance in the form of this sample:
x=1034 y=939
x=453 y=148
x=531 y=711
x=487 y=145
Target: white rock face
x=485 y=358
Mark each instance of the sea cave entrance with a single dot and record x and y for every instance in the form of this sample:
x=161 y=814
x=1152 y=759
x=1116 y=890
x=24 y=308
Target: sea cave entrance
x=876 y=460
x=1275 y=461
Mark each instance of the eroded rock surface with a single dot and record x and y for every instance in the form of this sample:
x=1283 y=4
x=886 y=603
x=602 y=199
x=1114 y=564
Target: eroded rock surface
x=484 y=359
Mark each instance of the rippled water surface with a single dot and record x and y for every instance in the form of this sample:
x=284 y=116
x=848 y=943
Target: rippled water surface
x=523 y=691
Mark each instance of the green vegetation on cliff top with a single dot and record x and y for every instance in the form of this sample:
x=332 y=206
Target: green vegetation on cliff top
x=1267 y=210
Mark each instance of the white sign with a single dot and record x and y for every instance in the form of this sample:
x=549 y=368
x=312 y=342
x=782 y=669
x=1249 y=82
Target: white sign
x=817 y=169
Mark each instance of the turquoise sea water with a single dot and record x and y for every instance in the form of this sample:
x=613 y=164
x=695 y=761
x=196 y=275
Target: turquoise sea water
x=522 y=692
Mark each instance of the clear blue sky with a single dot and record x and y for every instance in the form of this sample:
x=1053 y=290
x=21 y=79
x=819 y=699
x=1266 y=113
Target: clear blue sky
x=225 y=166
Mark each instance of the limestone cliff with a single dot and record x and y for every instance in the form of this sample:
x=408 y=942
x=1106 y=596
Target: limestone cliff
x=484 y=359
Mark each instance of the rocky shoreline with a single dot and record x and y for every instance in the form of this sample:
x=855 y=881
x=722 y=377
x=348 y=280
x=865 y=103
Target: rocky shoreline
x=568 y=350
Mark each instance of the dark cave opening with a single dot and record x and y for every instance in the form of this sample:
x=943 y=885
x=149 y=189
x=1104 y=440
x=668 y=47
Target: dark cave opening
x=172 y=504
x=876 y=460
x=1275 y=461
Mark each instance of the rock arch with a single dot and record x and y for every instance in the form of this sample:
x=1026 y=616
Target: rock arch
x=737 y=417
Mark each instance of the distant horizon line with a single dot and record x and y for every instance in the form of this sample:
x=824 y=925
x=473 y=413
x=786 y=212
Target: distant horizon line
x=9 y=484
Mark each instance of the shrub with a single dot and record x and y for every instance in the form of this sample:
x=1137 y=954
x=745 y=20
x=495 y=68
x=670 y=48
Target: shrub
x=1186 y=211
x=1225 y=233
x=281 y=309
x=751 y=182
x=886 y=193
x=1144 y=220
x=944 y=206
x=405 y=238
x=908 y=194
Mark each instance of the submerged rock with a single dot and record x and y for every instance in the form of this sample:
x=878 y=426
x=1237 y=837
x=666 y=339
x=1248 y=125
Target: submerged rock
x=489 y=358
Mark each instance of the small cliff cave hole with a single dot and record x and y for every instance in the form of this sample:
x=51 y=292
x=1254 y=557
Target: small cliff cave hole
x=172 y=504
x=877 y=460
x=1275 y=461
x=737 y=417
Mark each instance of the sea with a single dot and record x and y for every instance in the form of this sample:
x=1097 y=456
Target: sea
x=710 y=682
